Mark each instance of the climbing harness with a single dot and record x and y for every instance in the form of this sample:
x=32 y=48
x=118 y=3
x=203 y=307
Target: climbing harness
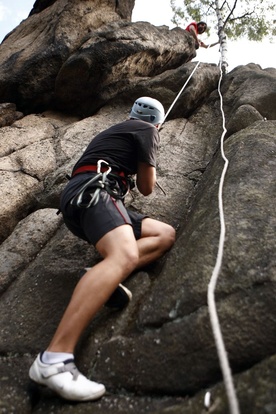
x=226 y=371
x=89 y=193
x=97 y=182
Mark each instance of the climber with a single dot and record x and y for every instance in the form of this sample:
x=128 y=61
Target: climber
x=198 y=28
x=93 y=209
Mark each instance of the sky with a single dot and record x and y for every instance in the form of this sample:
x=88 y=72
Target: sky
x=158 y=12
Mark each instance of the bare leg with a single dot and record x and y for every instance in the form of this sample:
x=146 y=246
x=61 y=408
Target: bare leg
x=157 y=237
x=121 y=255
x=120 y=258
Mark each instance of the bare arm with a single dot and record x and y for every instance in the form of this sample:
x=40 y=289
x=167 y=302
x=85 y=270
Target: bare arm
x=146 y=178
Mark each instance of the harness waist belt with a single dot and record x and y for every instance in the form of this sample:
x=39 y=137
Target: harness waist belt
x=86 y=168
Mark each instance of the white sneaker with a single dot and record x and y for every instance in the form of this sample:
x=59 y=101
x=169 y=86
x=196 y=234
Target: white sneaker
x=65 y=379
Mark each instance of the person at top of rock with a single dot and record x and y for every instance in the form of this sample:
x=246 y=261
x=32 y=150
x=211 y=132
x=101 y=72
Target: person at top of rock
x=198 y=28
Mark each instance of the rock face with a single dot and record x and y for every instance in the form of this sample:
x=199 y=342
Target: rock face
x=61 y=84
x=80 y=62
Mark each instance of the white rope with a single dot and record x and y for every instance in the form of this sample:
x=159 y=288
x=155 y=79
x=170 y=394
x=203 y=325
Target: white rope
x=226 y=371
x=180 y=92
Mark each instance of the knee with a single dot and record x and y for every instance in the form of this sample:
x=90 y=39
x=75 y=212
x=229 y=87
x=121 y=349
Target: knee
x=130 y=259
x=169 y=236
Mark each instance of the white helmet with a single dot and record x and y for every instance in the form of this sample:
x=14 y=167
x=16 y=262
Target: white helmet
x=148 y=109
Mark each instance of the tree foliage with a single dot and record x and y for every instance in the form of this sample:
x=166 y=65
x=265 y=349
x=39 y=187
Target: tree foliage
x=251 y=19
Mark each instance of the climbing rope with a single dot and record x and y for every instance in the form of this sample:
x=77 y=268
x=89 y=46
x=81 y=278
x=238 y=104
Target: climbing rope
x=224 y=364
x=180 y=92
x=226 y=371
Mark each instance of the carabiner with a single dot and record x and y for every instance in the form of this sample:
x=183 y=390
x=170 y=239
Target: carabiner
x=99 y=166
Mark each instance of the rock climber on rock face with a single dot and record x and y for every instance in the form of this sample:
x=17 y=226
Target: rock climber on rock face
x=92 y=205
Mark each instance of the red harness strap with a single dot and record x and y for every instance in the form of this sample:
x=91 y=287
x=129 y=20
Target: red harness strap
x=86 y=168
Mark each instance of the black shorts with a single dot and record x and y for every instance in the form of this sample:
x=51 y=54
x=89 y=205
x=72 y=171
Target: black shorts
x=92 y=223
